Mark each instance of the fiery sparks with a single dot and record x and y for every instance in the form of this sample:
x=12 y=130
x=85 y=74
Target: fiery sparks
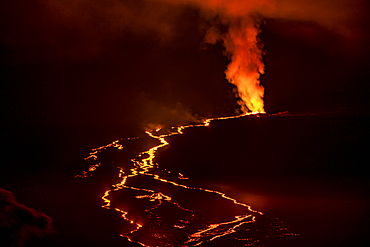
x=166 y=210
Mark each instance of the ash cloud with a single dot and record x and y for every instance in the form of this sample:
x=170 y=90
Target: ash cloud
x=80 y=29
x=336 y=15
x=345 y=18
x=18 y=223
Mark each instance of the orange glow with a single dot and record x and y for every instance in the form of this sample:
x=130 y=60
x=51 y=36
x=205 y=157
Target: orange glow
x=146 y=168
x=246 y=63
x=214 y=227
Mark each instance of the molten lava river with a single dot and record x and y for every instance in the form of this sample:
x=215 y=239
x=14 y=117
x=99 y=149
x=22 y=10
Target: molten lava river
x=160 y=208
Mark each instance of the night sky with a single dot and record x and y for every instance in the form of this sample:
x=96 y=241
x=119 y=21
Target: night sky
x=76 y=75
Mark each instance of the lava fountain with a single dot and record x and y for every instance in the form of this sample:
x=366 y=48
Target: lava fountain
x=245 y=53
x=246 y=64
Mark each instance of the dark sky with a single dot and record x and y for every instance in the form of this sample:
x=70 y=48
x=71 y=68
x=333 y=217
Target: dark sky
x=78 y=61
x=78 y=74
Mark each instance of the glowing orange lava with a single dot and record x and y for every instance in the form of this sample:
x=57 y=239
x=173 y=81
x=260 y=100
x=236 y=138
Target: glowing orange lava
x=190 y=228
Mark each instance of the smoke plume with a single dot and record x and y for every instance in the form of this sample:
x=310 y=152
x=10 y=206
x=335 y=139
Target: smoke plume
x=19 y=222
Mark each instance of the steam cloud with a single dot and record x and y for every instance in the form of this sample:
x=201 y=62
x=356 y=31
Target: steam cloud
x=18 y=222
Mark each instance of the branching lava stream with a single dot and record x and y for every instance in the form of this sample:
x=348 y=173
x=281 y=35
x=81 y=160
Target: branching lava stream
x=163 y=209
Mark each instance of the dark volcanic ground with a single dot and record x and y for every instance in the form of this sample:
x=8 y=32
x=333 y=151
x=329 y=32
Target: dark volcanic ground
x=310 y=171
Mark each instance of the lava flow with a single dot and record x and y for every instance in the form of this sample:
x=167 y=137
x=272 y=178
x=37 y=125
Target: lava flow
x=164 y=209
